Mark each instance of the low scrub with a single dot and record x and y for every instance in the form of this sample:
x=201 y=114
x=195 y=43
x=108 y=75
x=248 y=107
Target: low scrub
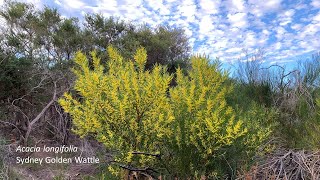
x=186 y=130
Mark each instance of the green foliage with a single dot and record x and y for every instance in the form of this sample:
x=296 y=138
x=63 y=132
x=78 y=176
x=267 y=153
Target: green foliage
x=299 y=122
x=199 y=120
x=310 y=129
x=318 y=106
x=253 y=103
x=68 y=38
x=20 y=19
x=47 y=39
x=13 y=76
x=164 y=45
x=132 y=109
x=105 y=31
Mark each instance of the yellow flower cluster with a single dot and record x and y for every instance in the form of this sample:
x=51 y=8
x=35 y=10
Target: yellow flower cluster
x=126 y=108
x=131 y=109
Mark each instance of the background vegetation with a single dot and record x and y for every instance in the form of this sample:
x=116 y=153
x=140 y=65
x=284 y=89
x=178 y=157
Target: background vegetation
x=155 y=109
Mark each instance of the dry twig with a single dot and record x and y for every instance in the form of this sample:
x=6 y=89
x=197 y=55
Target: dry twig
x=287 y=164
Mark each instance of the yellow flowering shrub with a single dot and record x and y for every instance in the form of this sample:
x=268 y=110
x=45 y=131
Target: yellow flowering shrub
x=124 y=106
x=204 y=123
x=131 y=109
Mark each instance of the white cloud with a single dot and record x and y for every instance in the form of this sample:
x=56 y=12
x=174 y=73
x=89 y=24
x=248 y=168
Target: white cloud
x=303 y=44
x=287 y=42
x=102 y=5
x=206 y=25
x=296 y=27
x=272 y=4
x=250 y=39
x=259 y=8
x=158 y=5
x=234 y=50
x=235 y=6
x=256 y=22
x=58 y=2
x=316 y=18
x=238 y=20
x=284 y=23
x=311 y=29
x=266 y=32
x=280 y=31
x=188 y=32
x=209 y=6
x=220 y=27
x=286 y=17
x=37 y=3
x=315 y=3
x=188 y=10
x=289 y=13
x=74 y=4
x=301 y=6
x=221 y=43
x=130 y=3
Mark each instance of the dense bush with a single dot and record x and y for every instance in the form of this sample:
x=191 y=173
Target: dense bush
x=181 y=116
x=14 y=73
x=126 y=107
x=36 y=49
x=189 y=126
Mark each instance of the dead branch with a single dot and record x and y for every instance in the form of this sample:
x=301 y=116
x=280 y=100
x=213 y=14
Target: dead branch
x=287 y=164
x=146 y=169
x=37 y=118
x=147 y=154
x=9 y=123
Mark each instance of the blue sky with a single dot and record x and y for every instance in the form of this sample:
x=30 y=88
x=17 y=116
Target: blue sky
x=286 y=30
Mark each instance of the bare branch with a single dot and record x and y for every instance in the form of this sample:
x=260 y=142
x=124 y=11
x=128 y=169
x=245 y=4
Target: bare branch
x=37 y=118
x=147 y=154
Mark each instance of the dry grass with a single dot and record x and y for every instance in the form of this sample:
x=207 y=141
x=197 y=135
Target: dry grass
x=288 y=165
x=4 y=162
